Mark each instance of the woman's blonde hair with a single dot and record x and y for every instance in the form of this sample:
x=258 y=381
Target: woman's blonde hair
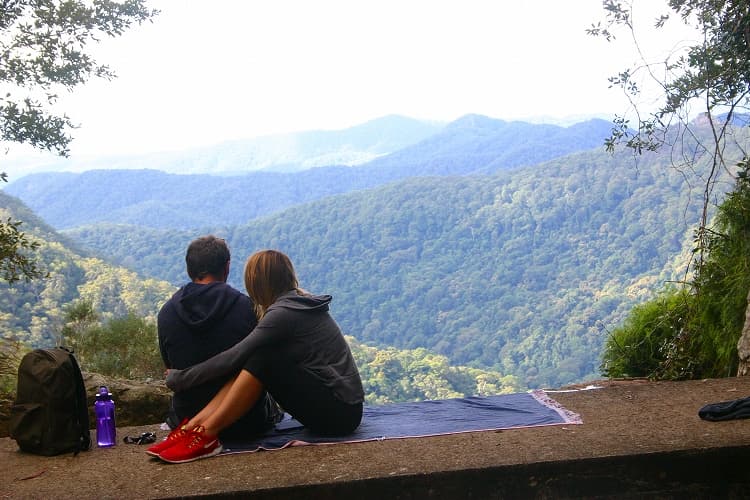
x=268 y=274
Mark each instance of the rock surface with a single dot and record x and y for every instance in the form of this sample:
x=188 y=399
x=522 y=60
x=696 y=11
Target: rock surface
x=743 y=345
x=639 y=439
x=136 y=402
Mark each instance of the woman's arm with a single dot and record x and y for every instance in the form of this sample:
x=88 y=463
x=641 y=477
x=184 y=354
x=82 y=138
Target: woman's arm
x=271 y=328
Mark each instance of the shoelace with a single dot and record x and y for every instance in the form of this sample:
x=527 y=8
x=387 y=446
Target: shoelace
x=177 y=433
x=198 y=434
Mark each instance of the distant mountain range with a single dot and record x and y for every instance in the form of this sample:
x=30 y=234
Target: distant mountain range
x=274 y=153
x=150 y=198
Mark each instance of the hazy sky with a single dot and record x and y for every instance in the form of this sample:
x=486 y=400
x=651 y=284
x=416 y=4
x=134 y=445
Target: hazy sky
x=204 y=72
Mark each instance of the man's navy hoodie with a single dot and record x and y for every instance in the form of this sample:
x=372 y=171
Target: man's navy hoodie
x=198 y=322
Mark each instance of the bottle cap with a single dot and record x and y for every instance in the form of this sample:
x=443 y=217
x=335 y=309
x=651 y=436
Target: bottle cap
x=103 y=393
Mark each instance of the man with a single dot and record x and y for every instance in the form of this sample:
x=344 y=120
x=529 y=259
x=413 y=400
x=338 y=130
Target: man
x=203 y=318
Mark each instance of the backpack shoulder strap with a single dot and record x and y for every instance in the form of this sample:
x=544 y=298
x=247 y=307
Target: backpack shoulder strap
x=82 y=411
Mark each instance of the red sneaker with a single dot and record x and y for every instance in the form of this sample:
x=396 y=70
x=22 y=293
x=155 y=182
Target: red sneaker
x=172 y=439
x=196 y=445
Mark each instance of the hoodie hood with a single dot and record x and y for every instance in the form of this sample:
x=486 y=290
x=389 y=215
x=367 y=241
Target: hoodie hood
x=200 y=306
x=292 y=300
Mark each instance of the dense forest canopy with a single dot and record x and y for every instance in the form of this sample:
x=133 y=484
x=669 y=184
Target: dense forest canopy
x=107 y=315
x=522 y=272
x=33 y=312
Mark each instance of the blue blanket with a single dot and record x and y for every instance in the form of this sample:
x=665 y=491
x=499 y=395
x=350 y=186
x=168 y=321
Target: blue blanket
x=425 y=418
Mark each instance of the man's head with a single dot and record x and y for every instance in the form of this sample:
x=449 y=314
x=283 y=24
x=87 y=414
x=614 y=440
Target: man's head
x=207 y=259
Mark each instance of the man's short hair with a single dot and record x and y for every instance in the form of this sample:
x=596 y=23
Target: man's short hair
x=206 y=255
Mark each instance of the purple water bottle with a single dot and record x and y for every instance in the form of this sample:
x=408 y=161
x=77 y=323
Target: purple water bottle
x=104 y=409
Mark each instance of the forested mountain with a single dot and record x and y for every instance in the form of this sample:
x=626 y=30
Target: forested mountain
x=149 y=198
x=283 y=152
x=523 y=272
x=34 y=312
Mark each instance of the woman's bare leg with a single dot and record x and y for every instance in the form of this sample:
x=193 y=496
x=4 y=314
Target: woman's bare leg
x=242 y=393
x=212 y=405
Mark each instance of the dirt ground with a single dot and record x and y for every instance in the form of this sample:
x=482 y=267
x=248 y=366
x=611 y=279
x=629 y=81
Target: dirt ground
x=619 y=418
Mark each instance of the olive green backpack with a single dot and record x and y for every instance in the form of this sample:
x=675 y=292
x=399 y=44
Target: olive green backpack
x=50 y=415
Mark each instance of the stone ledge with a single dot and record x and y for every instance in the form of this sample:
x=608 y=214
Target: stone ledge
x=695 y=474
x=638 y=439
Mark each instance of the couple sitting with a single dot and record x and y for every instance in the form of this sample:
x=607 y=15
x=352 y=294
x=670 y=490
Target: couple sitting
x=230 y=359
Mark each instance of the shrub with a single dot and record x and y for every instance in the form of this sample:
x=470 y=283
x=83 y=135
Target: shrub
x=123 y=347
x=643 y=344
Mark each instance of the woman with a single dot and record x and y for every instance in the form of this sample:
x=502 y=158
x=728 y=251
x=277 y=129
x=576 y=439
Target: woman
x=296 y=352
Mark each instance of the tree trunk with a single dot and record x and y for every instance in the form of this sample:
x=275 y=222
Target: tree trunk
x=743 y=346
